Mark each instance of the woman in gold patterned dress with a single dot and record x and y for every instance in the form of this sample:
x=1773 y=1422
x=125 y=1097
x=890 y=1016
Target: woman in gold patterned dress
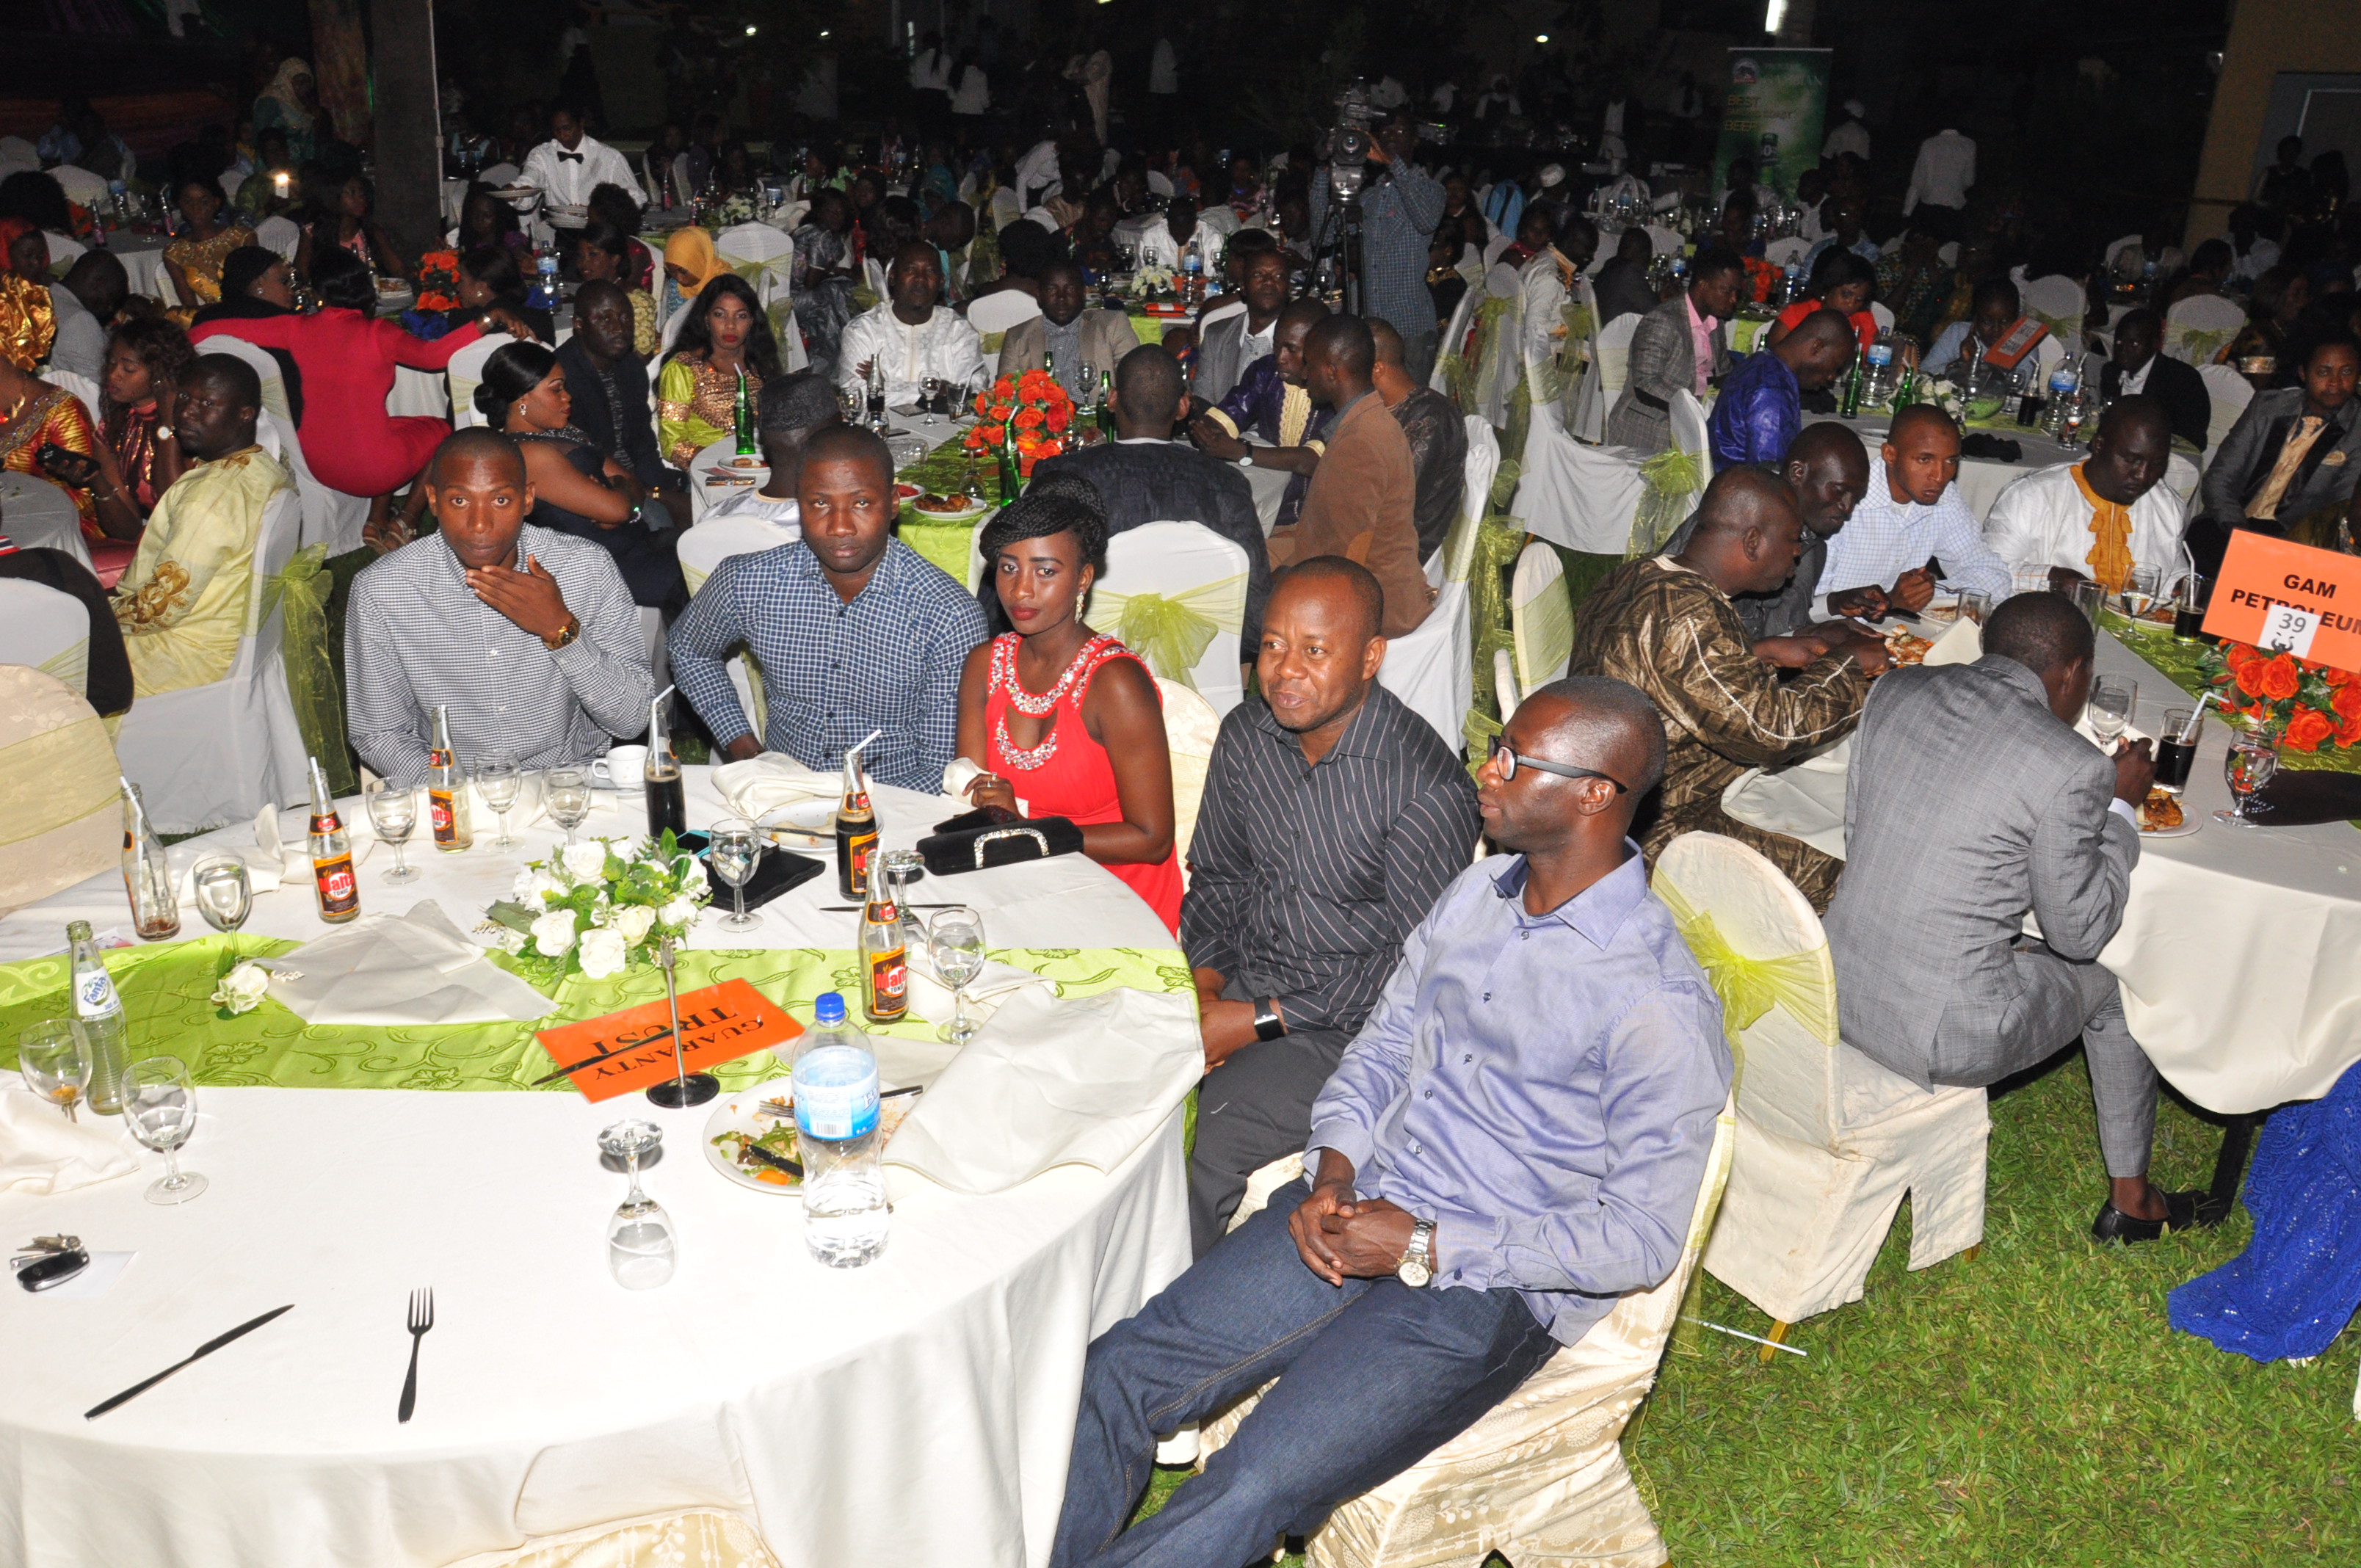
x=28 y=320
x=34 y=415
x=726 y=336
x=195 y=259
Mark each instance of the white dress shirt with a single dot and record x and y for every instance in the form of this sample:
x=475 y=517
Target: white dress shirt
x=80 y=344
x=1159 y=249
x=1163 y=70
x=2043 y=520
x=1945 y=168
x=943 y=346
x=1852 y=136
x=1887 y=538
x=1036 y=172
x=565 y=179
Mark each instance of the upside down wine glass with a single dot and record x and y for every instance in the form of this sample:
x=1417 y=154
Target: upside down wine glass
x=641 y=1246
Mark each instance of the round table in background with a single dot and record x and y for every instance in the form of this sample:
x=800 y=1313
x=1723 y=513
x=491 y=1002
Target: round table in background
x=38 y=515
x=916 y=1412
x=1981 y=479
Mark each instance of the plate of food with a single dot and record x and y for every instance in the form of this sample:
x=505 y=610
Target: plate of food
x=1906 y=647
x=2162 y=816
x=905 y=492
x=751 y=1136
x=948 y=509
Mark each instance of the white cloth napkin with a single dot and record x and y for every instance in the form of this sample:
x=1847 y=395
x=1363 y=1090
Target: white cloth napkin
x=932 y=1000
x=41 y=1152
x=1051 y=1082
x=385 y=969
x=771 y=780
x=1803 y=800
x=1962 y=644
x=959 y=772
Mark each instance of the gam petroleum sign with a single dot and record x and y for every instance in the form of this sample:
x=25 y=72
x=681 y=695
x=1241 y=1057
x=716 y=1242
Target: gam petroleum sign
x=2275 y=593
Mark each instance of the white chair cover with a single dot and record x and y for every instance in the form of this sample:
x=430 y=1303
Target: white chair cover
x=874 y=271
x=1666 y=242
x=994 y=314
x=1828 y=1141
x=1496 y=242
x=267 y=370
x=1191 y=726
x=1189 y=564
x=1579 y=495
x=1614 y=361
x=1541 y=617
x=1501 y=280
x=1432 y=669
x=81 y=386
x=2200 y=327
x=46 y=630
x=330 y=517
x=65 y=249
x=2058 y=300
x=212 y=754
x=82 y=187
x=64 y=819
x=1690 y=435
x=2231 y=392
x=763 y=256
x=1455 y=332
x=702 y=551
x=1504 y=684
x=1779 y=252
x=465 y=373
x=1883 y=314
x=280 y=235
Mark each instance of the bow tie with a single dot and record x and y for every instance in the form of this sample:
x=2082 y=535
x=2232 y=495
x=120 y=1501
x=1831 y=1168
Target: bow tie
x=569 y=158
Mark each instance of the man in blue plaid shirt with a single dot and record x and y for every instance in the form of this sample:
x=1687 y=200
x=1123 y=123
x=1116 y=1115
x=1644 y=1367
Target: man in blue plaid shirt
x=854 y=630
x=1398 y=211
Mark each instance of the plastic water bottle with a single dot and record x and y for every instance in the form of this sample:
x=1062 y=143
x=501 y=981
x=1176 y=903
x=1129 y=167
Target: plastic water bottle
x=1878 y=385
x=1795 y=281
x=836 y=1127
x=98 y=1019
x=2063 y=382
x=118 y=203
x=1193 y=274
x=546 y=263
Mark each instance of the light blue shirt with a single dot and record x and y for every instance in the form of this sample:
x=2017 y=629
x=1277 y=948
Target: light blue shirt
x=1544 y=1087
x=1885 y=538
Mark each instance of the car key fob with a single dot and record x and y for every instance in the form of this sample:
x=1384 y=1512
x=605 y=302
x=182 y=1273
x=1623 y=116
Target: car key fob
x=49 y=1260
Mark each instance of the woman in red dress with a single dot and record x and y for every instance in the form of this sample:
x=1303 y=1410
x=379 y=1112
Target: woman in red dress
x=1065 y=721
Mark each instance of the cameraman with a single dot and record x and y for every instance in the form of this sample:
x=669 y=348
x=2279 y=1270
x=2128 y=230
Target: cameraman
x=1400 y=208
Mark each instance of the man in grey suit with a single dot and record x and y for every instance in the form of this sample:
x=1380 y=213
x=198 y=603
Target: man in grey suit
x=2292 y=458
x=1665 y=352
x=1971 y=802
x=1087 y=344
x=1239 y=338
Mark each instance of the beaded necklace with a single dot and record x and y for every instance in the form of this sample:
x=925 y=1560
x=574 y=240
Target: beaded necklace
x=1004 y=678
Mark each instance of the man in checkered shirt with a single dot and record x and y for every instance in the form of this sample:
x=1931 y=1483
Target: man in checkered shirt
x=1398 y=211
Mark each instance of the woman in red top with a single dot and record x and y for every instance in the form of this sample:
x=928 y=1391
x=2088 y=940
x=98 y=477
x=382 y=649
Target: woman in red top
x=1840 y=281
x=347 y=358
x=1064 y=719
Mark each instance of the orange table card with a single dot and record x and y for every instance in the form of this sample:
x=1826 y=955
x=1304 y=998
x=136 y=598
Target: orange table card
x=632 y=1049
x=2273 y=592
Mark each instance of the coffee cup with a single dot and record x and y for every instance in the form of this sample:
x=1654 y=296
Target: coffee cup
x=624 y=767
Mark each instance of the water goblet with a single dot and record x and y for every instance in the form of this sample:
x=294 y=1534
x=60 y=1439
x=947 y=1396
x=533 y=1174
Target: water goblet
x=50 y=1057
x=394 y=814
x=499 y=779
x=641 y=1246
x=1975 y=606
x=2113 y=699
x=2253 y=758
x=225 y=894
x=2088 y=596
x=2140 y=590
x=160 y=1106
x=955 y=940
x=901 y=868
x=735 y=850
x=567 y=793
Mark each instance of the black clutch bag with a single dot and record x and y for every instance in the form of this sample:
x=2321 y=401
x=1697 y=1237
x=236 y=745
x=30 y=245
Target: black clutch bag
x=995 y=836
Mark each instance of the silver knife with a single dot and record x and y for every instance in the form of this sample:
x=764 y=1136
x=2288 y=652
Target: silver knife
x=203 y=1350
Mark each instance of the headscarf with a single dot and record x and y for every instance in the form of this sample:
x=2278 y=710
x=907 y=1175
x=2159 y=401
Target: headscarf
x=691 y=248
x=293 y=114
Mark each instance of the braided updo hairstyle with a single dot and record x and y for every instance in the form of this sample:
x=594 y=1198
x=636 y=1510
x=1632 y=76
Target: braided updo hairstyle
x=1052 y=504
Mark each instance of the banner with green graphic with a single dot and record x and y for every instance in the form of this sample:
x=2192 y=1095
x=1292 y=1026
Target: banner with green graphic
x=1773 y=115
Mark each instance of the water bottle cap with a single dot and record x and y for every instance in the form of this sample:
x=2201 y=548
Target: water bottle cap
x=829 y=1008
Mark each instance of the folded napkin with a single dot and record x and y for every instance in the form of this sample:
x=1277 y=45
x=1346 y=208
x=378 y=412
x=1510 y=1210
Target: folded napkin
x=389 y=971
x=2083 y=728
x=41 y=1152
x=1804 y=800
x=1962 y=644
x=1051 y=1082
x=931 y=999
x=769 y=781
x=959 y=772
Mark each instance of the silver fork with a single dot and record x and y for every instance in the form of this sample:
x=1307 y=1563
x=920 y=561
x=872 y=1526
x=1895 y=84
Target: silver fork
x=422 y=1318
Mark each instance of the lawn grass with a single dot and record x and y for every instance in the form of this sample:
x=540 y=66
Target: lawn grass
x=2031 y=1407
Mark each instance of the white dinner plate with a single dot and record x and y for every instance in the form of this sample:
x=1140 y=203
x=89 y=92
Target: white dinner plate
x=811 y=818
x=2190 y=821
x=969 y=515
x=744 y=1111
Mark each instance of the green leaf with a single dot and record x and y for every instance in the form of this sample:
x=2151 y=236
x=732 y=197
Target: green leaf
x=512 y=915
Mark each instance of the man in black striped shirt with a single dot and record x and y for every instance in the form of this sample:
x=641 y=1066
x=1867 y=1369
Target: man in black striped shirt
x=1333 y=818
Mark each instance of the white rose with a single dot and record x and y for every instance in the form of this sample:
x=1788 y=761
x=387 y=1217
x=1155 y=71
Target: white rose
x=242 y=989
x=603 y=952
x=678 y=913
x=632 y=920
x=553 y=934
x=531 y=885
x=510 y=941
x=586 y=861
x=692 y=876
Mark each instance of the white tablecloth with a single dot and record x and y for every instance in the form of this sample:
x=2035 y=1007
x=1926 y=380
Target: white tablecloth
x=143 y=262
x=2237 y=953
x=38 y=514
x=915 y=1411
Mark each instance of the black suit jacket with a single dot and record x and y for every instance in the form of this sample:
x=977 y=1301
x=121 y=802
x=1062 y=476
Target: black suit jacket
x=1622 y=290
x=1171 y=481
x=108 y=684
x=635 y=445
x=2177 y=386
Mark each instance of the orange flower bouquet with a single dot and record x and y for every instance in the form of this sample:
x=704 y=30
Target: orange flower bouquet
x=1032 y=408
x=2309 y=704
x=438 y=280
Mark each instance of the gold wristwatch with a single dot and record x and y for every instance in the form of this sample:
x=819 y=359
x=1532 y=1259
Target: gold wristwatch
x=1417 y=1266
x=565 y=639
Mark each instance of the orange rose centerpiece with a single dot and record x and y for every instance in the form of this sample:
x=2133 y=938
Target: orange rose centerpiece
x=438 y=280
x=1020 y=420
x=2311 y=706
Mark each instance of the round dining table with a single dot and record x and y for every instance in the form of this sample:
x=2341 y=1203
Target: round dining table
x=38 y=514
x=918 y=1410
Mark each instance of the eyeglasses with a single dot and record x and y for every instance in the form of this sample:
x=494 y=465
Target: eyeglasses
x=1506 y=755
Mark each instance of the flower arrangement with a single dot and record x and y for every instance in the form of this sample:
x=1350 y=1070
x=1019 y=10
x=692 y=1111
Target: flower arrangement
x=438 y=280
x=1762 y=278
x=2309 y=704
x=1035 y=406
x=728 y=212
x=592 y=907
x=242 y=986
x=1154 y=283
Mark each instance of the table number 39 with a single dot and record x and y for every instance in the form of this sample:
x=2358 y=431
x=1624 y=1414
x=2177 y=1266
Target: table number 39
x=2288 y=629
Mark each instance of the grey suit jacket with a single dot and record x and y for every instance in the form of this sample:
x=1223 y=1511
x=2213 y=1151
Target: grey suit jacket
x=2248 y=452
x=1221 y=359
x=1968 y=805
x=1664 y=361
x=1107 y=338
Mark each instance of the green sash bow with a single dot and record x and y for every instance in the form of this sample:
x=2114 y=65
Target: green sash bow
x=1171 y=634
x=1668 y=480
x=302 y=593
x=1749 y=988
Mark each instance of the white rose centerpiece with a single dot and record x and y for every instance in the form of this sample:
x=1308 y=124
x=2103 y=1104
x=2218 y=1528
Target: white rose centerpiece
x=598 y=906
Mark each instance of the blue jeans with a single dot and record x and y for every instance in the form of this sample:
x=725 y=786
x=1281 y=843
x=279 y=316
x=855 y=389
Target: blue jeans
x=1377 y=1376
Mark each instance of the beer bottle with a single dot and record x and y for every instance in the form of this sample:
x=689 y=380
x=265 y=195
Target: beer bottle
x=332 y=882
x=885 y=972
x=446 y=788
x=856 y=832
x=1106 y=405
x=1850 y=406
x=742 y=419
x=667 y=797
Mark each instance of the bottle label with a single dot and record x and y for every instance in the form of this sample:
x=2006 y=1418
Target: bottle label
x=339 y=892
x=889 y=984
x=836 y=1093
x=1880 y=355
x=438 y=812
x=95 y=993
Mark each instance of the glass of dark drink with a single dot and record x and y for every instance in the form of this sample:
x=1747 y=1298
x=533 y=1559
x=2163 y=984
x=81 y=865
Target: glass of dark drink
x=2188 y=609
x=2176 y=747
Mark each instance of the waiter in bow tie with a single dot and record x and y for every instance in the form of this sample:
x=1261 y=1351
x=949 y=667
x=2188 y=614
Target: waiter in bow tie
x=566 y=169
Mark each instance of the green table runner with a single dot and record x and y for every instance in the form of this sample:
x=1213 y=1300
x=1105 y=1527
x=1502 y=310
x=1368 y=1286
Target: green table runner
x=945 y=471
x=167 y=992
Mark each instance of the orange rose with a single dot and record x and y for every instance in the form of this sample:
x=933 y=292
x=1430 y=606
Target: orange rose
x=2308 y=728
x=1058 y=419
x=2350 y=735
x=1029 y=419
x=2249 y=673
x=2280 y=679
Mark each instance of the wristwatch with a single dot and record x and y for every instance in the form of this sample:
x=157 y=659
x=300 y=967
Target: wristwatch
x=1417 y=1265
x=565 y=639
x=1268 y=1025
x=1246 y=458
x=164 y=432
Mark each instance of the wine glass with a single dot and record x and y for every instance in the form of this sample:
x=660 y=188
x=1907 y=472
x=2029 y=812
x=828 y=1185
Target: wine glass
x=567 y=793
x=225 y=894
x=160 y=1106
x=499 y=779
x=394 y=814
x=50 y=1057
x=641 y=1247
x=901 y=868
x=2140 y=590
x=736 y=849
x=2253 y=758
x=2112 y=700
x=955 y=940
